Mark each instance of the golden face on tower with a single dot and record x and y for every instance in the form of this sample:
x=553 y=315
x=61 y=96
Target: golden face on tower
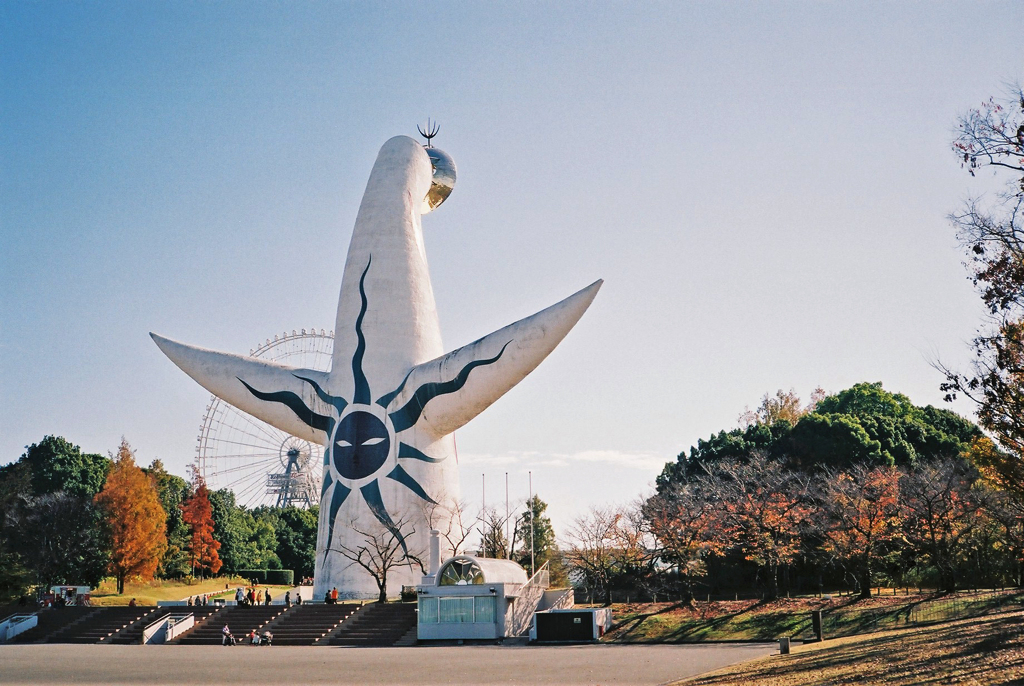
x=443 y=182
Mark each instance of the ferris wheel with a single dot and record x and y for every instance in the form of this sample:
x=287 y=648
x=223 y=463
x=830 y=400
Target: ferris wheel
x=263 y=465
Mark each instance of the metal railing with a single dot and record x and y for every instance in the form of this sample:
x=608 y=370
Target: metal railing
x=16 y=624
x=525 y=604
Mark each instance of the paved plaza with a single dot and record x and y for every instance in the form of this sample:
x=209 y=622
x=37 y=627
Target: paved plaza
x=607 y=665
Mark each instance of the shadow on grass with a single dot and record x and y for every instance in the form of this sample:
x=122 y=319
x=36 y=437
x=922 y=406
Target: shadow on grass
x=768 y=620
x=746 y=623
x=627 y=626
x=985 y=651
x=940 y=607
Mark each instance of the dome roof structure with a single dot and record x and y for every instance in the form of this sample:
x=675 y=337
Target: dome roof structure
x=464 y=570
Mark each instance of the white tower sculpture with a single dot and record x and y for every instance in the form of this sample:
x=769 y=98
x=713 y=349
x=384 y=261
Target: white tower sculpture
x=387 y=409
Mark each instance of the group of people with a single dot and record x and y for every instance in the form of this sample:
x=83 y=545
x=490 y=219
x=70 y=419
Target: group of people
x=252 y=597
x=199 y=601
x=255 y=638
x=331 y=596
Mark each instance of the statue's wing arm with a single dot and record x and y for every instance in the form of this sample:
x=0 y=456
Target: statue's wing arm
x=443 y=394
x=282 y=396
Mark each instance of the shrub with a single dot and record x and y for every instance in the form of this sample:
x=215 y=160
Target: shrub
x=272 y=577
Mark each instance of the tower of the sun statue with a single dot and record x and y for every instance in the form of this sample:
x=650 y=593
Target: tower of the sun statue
x=387 y=409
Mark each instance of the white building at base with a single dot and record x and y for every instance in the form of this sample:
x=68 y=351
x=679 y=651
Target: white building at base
x=482 y=598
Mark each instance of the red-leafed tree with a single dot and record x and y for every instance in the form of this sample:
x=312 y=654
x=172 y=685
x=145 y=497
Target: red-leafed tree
x=688 y=522
x=861 y=515
x=198 y=514
x=943 y=507
x=136 y=521
x=766 y=509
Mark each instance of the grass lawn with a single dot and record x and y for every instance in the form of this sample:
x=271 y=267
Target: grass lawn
x=149 y=592
x=756 y=620
x=987 y=650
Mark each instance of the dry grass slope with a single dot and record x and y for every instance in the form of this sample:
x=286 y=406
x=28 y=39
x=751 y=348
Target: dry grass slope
x=149 y=592
x=971 y=651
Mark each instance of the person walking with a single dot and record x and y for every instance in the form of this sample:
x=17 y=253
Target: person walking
x=334 y=595
x=287 y=598
x=266 y=598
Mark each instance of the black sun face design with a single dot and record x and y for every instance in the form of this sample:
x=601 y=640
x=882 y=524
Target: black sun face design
x=361 y=445
x=364 y=437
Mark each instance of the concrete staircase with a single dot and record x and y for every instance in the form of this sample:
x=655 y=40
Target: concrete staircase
x=99 y=625
x=53 y=620
x=241 y=620
x=132 y=633
x=202 y=615
x=304 y=625
x=376 y=624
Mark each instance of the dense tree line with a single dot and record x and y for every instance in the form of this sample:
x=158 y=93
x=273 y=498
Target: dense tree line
x=861 y=425
x=859 y=487
x=69 y=517
x=51 y=531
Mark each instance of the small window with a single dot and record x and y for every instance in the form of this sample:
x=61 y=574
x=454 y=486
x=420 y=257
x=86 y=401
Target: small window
x=461 y=573
x=428 y=611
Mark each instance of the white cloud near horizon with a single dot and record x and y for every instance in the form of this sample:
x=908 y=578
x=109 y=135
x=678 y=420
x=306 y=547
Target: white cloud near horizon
x=649 y=462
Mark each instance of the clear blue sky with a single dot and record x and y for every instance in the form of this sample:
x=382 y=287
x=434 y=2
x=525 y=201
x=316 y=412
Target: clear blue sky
x=762 y=186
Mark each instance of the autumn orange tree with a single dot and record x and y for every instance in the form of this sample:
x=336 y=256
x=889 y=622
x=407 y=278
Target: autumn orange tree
x=198 y=514
x=766 y=509
x=687 y=520
x=861 y=515
x=136 y=522
x=999 y=468
x=943 y=507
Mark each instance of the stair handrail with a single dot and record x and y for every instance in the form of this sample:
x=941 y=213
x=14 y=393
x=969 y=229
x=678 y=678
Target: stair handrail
x=157 y=630
x=15 y=624
x=529 y=597
x=564 y=601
